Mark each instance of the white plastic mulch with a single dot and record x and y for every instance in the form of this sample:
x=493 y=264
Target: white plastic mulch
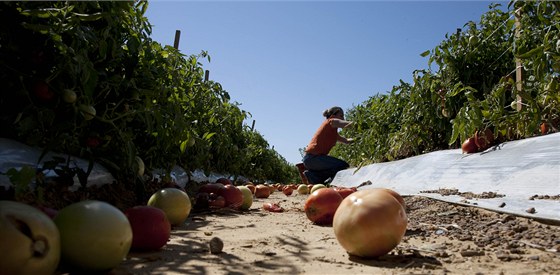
x=521 y=174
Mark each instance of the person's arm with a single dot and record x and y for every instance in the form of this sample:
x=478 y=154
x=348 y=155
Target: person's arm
x=339 y=123
x=344 y=140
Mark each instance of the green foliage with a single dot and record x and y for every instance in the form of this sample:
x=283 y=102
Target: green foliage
x=134 y=97
x=470 y=86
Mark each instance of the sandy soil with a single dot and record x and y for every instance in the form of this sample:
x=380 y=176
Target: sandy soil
x=441 y=238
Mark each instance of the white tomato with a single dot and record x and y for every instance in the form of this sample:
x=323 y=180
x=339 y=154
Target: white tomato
x=29 y=240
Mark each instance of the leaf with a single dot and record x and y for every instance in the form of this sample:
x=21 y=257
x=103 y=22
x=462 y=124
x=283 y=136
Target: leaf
x=44 y=29
x=183 y=146
x=42 y=13
x=23 y=177
x=530 y=53
x=424 y=54
x=208 y=136
x=88 y=17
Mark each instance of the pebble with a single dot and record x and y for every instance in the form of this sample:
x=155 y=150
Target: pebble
x=216 y=245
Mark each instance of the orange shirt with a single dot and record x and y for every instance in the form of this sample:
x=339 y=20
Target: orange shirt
x=323 y=140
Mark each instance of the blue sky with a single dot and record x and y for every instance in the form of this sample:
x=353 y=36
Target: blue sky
x=287 y=61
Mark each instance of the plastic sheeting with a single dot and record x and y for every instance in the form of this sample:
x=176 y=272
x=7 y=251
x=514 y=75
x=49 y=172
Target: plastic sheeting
x=516 y=171
x=16 y=155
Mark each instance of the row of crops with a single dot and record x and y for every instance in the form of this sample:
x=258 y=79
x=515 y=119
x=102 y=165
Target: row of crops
x=84 y=78
x=501 y=74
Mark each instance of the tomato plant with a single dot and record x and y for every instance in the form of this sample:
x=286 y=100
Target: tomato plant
x=468 y=86
x=92 y=69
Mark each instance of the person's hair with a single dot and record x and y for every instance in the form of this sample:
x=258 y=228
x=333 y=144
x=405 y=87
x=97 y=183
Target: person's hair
x=331 y=111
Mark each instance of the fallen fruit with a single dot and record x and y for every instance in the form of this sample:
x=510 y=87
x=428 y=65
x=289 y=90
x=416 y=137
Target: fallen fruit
x=247 y=197
x=51 y=212
x=396 y=195
x=95 y=236
x=469 y=146
x=251 y=187
x=483 y=139
x=287 y=190
x=321 y=205
x=369 y=223
x=150 y=227
x=272 y=207
x=175 y=203
x=344 y=191
x=303 y=189
x=29 y=240
x=544 y=128
x=216 y=201
x=316 y=187
x=262 y=191
x=224 y=181
x=232 y=195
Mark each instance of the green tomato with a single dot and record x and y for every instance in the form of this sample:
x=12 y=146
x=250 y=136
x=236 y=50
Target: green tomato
x=247 y=197
x=69 y=96
x=175 y=203
x=87 y=111
x=317 y=187
x=29 y=239
x=95 y=236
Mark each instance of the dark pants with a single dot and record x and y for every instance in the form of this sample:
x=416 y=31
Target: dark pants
x=321 y=167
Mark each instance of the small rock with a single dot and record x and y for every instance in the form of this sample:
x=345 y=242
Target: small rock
x=531 y=210
x=216 y=245
x=502 y=204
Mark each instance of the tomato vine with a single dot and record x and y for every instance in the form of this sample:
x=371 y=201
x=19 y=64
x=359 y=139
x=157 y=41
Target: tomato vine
x=85 y=78
x=470 y=85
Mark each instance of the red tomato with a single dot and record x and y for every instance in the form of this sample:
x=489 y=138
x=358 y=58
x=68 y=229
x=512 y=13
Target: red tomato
x=150 y=227
x=51 y=212
x=42 y=91
x=201 y=201
x=232 y=195
x=343 y=191
x=224 y=181
x=92 y=142
x=215 y=188
x=469 y=146
x=544 y=128
x=321 y=205
x=262 y=191
x=251 y=187
x=483 y=140
x=369 y=223
x=287 y=191
x=216 y=201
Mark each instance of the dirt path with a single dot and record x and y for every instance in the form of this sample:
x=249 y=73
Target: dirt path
x=441 y=238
